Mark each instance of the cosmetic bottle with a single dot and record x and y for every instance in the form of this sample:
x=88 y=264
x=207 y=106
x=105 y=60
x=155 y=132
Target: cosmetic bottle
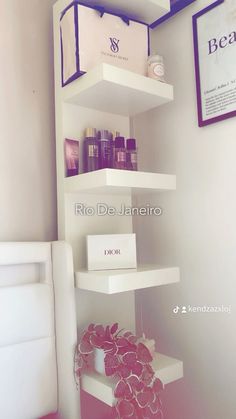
x=131 y=154
x=120 y=154
x=105 y=149
x=113 y=135
x=91 y=150
x=156 y=68
x=71 y=157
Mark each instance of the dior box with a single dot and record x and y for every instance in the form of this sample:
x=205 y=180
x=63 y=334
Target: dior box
x=111 y=251
x=91 y=36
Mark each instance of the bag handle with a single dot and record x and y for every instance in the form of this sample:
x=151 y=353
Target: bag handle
x=102 y=11
x=99 y=9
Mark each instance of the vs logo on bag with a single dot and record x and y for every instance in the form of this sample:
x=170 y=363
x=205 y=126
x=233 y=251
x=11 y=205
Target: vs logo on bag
x=115 y=45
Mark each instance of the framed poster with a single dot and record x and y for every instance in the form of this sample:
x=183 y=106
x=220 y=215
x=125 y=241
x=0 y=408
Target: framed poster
x=175 y=7
x=214 y=34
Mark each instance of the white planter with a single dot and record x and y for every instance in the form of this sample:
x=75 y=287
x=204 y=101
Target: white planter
x=99 y=361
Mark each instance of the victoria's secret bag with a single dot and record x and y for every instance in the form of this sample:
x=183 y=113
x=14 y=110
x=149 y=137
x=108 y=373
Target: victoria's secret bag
x=90 y=36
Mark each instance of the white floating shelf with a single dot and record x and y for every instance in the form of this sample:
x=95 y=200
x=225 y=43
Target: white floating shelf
x=166 y=368
x=147 y=11
x=115 y=90
x=114 y=181
x=116 y=281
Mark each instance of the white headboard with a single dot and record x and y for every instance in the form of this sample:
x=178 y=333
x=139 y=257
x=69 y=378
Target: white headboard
x=37 y=308
x=28 y=371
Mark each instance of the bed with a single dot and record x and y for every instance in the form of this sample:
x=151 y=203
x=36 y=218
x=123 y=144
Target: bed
x=37 y=331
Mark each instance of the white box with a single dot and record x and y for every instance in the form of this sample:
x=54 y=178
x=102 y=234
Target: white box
x=90 y=37
x=111 y=251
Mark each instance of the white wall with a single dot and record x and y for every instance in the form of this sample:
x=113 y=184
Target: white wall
x=27 y=149
x=196 y=232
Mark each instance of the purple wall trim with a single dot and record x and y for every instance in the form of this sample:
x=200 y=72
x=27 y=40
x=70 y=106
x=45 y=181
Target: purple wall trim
x=175 y=8
x=207 y=9
x=202 y=122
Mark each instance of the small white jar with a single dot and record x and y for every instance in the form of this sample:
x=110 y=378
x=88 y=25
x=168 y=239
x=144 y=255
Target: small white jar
x=156 y=68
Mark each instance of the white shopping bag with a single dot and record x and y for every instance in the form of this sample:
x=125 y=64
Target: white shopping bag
x=89 y=37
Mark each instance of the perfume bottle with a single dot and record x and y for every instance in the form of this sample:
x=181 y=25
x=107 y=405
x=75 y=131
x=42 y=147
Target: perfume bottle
x=120 y=153
x=105 y=149
x=131 y=154
x=91 y=150
x=71 y=157
x=113 y=135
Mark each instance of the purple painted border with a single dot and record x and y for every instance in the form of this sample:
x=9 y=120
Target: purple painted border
x=75 y=4
x=202 y=122
x=175 y=8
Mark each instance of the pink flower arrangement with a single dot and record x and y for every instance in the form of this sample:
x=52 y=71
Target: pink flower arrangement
x=128 y=362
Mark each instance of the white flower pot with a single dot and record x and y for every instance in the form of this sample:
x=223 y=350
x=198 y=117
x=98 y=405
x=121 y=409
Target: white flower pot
x=99 y=361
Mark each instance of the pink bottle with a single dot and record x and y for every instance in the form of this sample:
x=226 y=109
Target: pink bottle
x=120 y=154
x=131 y=154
